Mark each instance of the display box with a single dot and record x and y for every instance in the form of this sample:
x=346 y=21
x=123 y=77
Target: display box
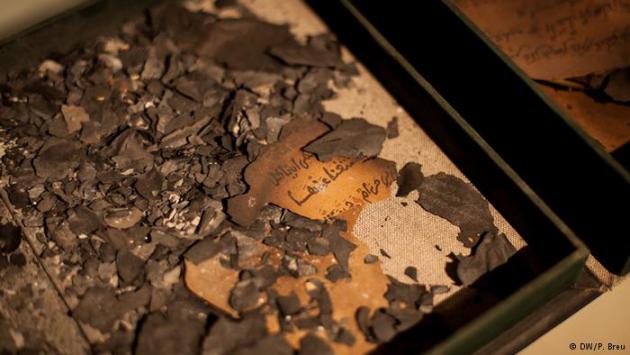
x=555 y=188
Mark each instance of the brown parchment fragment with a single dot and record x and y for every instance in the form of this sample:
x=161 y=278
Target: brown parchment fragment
x=293 y=179
x=287 y=176
x=607 y=122
x=556 y=39
x=212 y=281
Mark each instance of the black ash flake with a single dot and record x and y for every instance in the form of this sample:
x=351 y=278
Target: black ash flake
x=311 y=344
x=458 y=202
x=392 y=128
x=410 y=178
x=370 y=259
x=407 y=303
x=10 y=238
x=352 y=138
x=383 y=326
x=289 y=305
x=412 y=273
x=618 y=85
x=492 y=251
x=310 y=55
x=611 y=87
x=226 y=335
x=203 y=250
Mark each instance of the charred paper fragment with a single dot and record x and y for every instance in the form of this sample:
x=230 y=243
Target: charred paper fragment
x=336 y=272
x=352 y=138
x=221 y=4
x=618 y=85
x=149 y=185
x=325 y=295
x=340 y=246
x=246 y=297
x=439 y=289
x=407 y=304
x=492 y=251
x=129 y=266
x=275 y=344
x=608 y=122
x=123 y=218
x=242 y=44
x=288 y=177
x=58 y=158
x=363 y=321
x=412 y=273
x=83 y=221
x=458 y=202
x=211 y=219
x=595 y=81
x=383 y=326
x=98 y=308
x=408 y=294
x=297 y=221
x=344 y=336
x=170 y=334
x=331 y=119
x=129 y=152
x=410 y=178
x=203 y=250
x=7 y=339
x=314 y=345
x=370 y=259
x=294 y=54
x=75 y=116
x=289 y=305
x=226 y=336
x=10 y=238
x=392 y=128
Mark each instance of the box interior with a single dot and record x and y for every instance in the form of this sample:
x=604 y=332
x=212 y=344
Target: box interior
x=552 y=255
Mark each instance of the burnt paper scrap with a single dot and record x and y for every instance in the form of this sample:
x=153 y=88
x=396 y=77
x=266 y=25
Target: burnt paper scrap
x=75 y=117
x=410 y=178
x=309 y=55
x=294 y=289
x=392 y=128
x=291 y=178
x=10 y=238
x=556 y=39
x=58 y=158
x=607 y=122
x=351 y=139
x=618 y=85
x=492 y=251
x=458 y=202
x=412 y=273
x=242 y=44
